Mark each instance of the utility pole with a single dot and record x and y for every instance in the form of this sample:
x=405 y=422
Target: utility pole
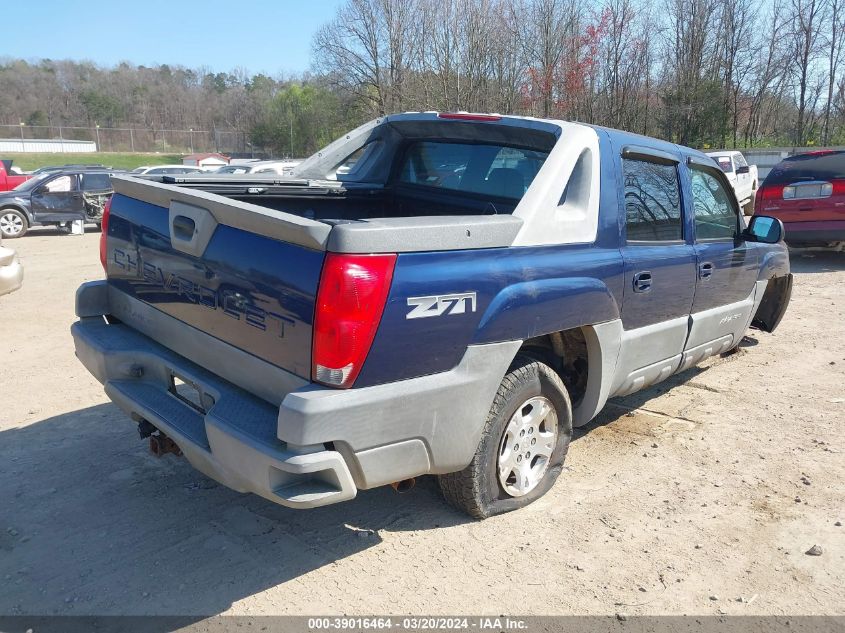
x=98 y=137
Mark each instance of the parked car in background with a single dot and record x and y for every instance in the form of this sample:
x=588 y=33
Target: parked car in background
x=279 y=167
x=742 y=176
x=8 y=178
x=11 y=270
x=807 y=193
x=55 y=198
x=453 y=304
x=160 y=170
x=54 y=168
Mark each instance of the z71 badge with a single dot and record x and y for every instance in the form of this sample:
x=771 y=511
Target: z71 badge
x=439 y=305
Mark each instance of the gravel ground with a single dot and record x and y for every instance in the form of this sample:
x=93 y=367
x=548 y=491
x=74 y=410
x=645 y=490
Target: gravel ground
x=698 y=496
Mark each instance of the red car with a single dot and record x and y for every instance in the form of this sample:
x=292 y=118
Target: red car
x=8 y=179
x=807 y=193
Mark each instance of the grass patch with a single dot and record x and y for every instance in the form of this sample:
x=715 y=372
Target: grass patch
x=118 y=160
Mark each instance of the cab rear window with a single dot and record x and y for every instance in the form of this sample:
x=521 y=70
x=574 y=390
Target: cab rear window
x=494 y=170
x=807 y=167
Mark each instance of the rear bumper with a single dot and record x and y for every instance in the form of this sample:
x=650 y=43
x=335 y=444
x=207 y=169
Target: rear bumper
x=11 y=271
x=320 y=445
x=234 y=442
x=822 y=232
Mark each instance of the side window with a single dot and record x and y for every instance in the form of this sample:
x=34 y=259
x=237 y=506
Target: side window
x=716 y=217
x=96 y=182
x=652 y=201
x=61 y=184
x=739 y=159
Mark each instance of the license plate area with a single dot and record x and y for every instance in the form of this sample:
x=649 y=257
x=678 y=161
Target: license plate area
x=808 y=192
x=188 y=392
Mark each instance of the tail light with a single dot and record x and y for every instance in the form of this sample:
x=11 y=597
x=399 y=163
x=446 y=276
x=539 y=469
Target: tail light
x=104 y=233
x=768 y=193
x=350 y=301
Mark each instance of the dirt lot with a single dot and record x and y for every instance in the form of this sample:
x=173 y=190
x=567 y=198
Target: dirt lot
x=699 y=496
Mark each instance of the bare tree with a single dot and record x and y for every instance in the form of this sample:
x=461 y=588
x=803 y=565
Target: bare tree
x=806 y=18
x=833 y=46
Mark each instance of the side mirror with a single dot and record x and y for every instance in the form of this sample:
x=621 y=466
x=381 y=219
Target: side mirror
x=764 y=229
x=745 y=169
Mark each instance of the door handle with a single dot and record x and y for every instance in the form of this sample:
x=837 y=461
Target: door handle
x=642 y=281
x=705 y=270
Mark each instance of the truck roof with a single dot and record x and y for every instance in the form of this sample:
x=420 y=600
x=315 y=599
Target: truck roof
x=420 y=125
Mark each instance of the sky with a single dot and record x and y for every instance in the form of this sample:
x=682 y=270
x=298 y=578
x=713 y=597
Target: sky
x=269 y=36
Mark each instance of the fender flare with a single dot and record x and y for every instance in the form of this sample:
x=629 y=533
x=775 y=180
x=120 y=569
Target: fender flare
x=604 y=341
x=773 y=263
x=534 y=308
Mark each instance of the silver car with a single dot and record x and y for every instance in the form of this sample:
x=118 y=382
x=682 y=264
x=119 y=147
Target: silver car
x=11 y=271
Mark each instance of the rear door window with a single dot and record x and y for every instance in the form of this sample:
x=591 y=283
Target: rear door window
x=652 y=201
x=494 y=170
x=96 y=182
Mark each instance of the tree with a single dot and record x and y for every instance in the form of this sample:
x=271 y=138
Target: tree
x=298 y=120
x=806 y=17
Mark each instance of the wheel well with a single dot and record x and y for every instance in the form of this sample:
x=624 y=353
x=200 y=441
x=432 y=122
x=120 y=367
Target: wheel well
x=566 y=353
x=11 y=207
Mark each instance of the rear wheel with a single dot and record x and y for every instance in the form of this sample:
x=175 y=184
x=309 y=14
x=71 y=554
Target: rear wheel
x=13 y=223
x=522 y=447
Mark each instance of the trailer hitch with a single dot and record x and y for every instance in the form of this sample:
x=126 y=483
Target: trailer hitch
x=160 y=444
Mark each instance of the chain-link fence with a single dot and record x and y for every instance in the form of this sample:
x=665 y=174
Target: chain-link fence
x=136 y=139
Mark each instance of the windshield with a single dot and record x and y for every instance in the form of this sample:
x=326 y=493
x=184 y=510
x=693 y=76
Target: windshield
x=33 y=182
x=827 y=166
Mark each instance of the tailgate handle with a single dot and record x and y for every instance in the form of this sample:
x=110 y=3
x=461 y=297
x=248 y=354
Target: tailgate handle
x=184 y=227
x=191 y=227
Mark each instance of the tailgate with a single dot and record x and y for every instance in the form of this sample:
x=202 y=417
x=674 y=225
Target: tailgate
x=241 y=273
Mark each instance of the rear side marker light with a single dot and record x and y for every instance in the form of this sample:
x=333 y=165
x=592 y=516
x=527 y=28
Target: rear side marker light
x=350 y=301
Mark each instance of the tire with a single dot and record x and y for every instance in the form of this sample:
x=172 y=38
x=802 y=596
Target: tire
x=13 y=223
x=517 y=413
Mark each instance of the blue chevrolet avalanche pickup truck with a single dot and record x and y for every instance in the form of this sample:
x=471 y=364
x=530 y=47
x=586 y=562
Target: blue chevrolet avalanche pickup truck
x=442 y=294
